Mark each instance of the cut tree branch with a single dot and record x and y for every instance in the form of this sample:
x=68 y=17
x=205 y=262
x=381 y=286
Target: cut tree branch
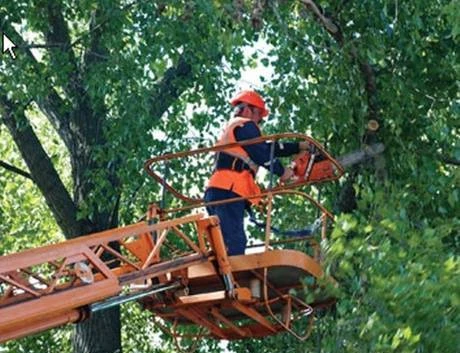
x=368 y=75
x=328 y=23
x=16 y=170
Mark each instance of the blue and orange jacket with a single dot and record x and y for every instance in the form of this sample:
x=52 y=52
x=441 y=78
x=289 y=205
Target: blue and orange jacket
x=242 y=181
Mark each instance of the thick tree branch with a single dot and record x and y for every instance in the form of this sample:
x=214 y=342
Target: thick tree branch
x=368 y=75
x=82 y=115
x=366 y=69
x=86 y=113
x=180 y=77
x=57 y=113
x=16 y=170
x=53 y=106
x=42 y=170
x=58 y=33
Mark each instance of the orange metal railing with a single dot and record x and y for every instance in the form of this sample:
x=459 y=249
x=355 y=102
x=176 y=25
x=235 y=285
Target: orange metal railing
x=268 y=195
x=150 y=163
x=63 y=283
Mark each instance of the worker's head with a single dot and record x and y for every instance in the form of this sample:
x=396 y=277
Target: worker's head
x=249 y=104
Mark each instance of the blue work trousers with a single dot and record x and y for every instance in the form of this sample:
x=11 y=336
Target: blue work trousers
x=231 y=216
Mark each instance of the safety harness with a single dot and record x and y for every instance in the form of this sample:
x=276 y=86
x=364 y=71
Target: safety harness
x=225 y=160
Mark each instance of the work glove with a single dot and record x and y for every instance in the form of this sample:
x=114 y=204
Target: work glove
x=288 y=175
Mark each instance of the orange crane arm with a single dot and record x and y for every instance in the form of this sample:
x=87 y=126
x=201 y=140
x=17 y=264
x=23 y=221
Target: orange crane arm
x=52 y=285
x=64 y=283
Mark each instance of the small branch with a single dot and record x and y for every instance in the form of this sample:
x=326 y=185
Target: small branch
x=97 y=55
x=449 y=160
x=40 y=46
x=96 y=50
x=328 y=23
x=16 y=170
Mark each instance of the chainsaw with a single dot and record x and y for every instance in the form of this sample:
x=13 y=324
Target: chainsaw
x=313 y=166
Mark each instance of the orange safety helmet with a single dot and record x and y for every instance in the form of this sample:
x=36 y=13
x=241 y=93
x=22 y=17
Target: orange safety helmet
x=252 y=98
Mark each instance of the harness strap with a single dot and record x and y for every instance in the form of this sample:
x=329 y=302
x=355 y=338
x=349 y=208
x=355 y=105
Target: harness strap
x=252 y=165
x=225 y=160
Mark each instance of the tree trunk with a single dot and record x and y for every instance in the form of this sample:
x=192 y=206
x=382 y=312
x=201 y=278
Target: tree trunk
x=100 y=334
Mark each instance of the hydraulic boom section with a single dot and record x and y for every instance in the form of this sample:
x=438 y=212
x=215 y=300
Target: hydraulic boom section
x=57 y=284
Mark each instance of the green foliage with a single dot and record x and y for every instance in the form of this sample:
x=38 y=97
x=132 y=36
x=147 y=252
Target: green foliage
x=397 y=273
x=452 y=12
x=25 y=220
x=53 y=341
x=395 y=258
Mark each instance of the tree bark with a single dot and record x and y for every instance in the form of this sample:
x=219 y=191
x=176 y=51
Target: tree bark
x=100 y=334
x=42 y=171
x=56 y=110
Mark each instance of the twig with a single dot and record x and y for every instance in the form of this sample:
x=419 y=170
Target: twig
x=327 y=22
x=16 y=170
x=449 y=160
x=96 y=27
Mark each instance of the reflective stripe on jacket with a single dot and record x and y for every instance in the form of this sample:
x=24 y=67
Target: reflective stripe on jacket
x=241 y=183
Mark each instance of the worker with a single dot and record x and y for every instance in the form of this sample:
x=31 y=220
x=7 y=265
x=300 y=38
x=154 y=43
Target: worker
x=236 y=167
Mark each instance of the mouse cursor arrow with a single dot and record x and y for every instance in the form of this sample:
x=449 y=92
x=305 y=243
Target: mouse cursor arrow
x=8 y=45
